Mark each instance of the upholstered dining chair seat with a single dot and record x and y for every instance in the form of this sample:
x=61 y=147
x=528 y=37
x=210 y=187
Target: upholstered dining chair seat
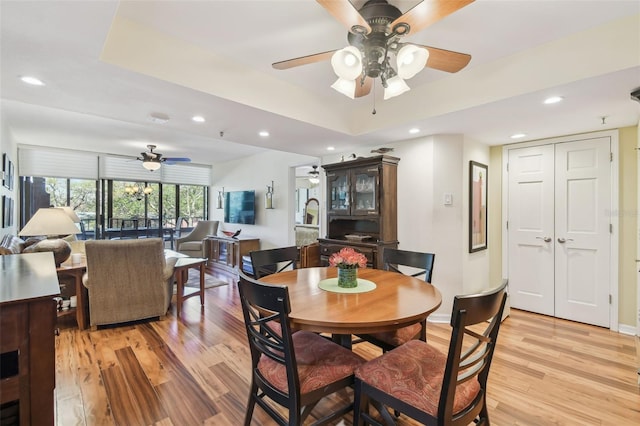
x=413 y=373
x=400 y=336
x=320 y=363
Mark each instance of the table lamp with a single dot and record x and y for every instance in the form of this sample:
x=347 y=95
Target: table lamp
x=52 y=223
x=71 y=213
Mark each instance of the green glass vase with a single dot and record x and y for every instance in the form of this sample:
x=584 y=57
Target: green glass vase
x=347 y=277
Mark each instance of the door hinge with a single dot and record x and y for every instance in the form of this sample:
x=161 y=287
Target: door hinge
x=610 y=299
x=507 y=224
x=611 y=157
x=507 y=166
x=611 y=228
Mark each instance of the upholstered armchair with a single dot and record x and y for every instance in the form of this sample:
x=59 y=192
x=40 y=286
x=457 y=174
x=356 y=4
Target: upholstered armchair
x=192 y=243
x=127 y=280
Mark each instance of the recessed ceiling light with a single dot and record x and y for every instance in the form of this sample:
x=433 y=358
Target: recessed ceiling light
x=518 y=135
x=264 y=133
x=414 y=130
x=198 y=119
x=553 y=100
x=330 y=148
x=32 y=80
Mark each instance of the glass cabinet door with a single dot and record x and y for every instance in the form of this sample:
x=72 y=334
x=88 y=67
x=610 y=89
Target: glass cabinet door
x=338 y=186
x=365 y=191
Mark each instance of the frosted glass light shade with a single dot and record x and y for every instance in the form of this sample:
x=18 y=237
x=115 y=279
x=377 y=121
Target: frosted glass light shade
x=346 y=87
x=411 y=60
x=151 y=165
x=395 y=86
x=347 y=63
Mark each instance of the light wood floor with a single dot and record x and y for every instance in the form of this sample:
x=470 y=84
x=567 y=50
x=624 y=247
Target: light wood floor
x=195 y=371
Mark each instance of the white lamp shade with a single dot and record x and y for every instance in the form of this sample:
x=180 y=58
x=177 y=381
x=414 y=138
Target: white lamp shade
x=411 y=60
x=151 y=165
x=49 y=221
x=346 y=87
x=395 y=86
x=347 y=63
x=71 y=213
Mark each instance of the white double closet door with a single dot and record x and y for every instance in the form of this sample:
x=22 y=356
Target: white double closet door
x=559 y=209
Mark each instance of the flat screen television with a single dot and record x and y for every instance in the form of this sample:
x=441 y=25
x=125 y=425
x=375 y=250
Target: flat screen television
x=240 y=207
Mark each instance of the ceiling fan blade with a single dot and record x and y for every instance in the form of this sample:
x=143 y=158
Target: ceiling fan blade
x=428 y=12
x=446 y=60
x=344 y=12
x=174 y=160
x=365 y=88
x=303 y=60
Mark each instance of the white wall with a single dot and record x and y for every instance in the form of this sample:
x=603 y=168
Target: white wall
x=275 y=227
x=476 y=265
x=429 y=167
x=9 y=146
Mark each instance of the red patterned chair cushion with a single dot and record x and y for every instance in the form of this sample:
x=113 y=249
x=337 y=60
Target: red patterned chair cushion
x=413 y=373
x=320 y=362
x=400 y=336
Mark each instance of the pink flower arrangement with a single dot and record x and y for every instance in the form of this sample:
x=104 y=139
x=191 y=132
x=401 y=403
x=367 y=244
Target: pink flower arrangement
x=348 y=258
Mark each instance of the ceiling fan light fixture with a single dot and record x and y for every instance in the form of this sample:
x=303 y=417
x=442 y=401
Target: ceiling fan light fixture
x=346 y=87
x=314 y=175
x=347 y=63
x=395 y=86
x=411 y=60
x=151 y=164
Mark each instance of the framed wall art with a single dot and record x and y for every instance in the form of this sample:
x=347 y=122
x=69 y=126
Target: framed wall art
x=5 y=170
x=7 y=211
x=477 y=206
x=11 y=173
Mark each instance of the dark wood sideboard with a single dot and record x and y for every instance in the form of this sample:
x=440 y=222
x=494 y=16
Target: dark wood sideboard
x=225 y=253
x=28 y=284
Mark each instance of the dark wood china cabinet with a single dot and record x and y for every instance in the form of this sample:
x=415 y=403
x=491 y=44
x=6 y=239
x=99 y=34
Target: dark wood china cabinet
x=361 y=207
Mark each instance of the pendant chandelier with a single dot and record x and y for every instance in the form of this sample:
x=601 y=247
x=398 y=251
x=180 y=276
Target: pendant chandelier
x=137 y=192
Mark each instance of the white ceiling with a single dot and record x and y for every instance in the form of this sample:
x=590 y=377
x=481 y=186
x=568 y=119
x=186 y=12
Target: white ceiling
x=108 y=65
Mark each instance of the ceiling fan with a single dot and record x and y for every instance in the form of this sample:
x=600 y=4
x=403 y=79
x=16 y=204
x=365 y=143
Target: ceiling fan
x=314 y=175
x=153 y=160
x=376 y=31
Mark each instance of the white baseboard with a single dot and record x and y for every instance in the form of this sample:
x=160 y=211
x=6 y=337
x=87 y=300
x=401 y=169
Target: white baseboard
x=439 y=318
x=627 y=329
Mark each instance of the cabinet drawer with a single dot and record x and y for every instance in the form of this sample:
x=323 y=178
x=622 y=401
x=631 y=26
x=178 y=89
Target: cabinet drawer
x=13 y=324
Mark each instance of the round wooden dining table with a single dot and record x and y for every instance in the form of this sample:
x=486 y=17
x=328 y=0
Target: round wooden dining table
x=398 y=300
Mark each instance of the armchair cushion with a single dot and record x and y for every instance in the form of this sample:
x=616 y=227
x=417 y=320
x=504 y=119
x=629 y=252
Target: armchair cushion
x=127 y=280
x=191 y=244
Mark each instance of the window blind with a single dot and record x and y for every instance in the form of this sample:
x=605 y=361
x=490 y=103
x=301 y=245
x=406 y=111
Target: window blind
x=122 y=168
x=186 y=174
x=41 y=162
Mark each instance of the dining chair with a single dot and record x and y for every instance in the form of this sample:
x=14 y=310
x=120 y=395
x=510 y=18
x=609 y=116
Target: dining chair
x=416 y=264
x=270 y=261
x=428 y=385
x=293 y=370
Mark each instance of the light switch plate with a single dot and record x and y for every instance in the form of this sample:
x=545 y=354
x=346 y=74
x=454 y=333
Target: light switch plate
x=448 y=198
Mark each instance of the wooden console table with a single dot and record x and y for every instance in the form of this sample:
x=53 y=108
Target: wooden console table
x=27 y=342
x=225 y=253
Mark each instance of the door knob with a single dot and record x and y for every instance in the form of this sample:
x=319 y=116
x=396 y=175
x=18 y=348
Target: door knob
x=563 y=240
x=545 y=239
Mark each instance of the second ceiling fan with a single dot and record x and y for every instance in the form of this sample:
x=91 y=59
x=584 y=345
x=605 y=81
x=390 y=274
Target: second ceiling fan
x=375 y=32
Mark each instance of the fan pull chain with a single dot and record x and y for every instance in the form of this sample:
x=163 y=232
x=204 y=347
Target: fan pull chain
x=374 y=99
